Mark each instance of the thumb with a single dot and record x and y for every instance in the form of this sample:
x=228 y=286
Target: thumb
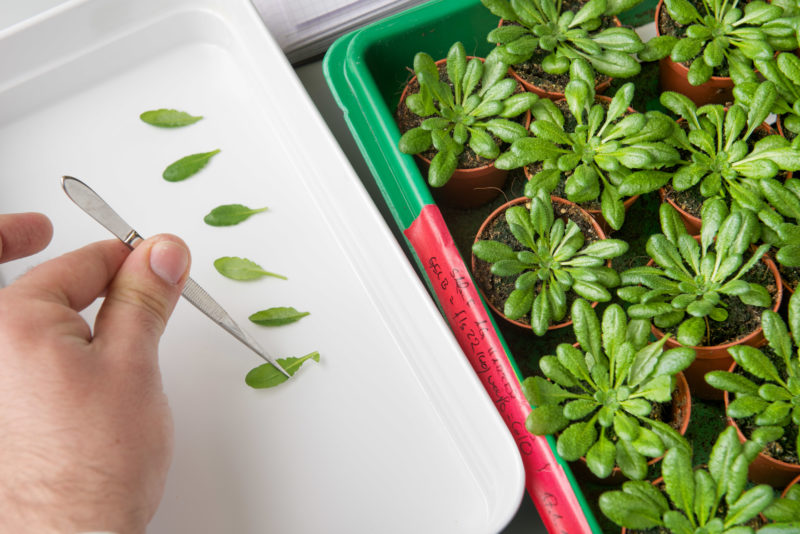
x=141 y=297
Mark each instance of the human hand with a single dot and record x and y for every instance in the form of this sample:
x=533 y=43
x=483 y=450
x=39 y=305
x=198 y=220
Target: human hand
x=85 y=428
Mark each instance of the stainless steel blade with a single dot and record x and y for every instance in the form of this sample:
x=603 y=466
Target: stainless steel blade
x=90 y=202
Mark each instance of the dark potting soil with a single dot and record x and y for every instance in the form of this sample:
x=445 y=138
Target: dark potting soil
x=785 y=447
x=790 y=275
x=742 y=319
x=532 y=72
x=407 y=120
x=496 y=289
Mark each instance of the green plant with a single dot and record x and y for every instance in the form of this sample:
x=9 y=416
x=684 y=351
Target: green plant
x=720 y=158
x=600 y=156
x=230 y=214
x=565 y=35
x=241 y=269
x=552 y=261
x=478 y=102
x=772 y=396
x=784 y=73
x=612 y=384
x=707 y=500
x=723 y=37
x=268 y=376
x=784 y=236
x=188 y=166
x=168 y=118
x=689 y=280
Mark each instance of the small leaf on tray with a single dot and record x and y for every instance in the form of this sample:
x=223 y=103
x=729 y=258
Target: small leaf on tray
x=267 y=376
x=168 y=118
x=241 y=269
x=278 y=316
x=188 y=166
x=230 y=214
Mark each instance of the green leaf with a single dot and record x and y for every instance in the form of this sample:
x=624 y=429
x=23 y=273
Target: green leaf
x=676 y=468
x=590 y=10
x=632 y=464
x=443 y=165
x=267 y=376
x=658 y=48
x=546 y=419
x=556 y=372
x=631 y=511
x=745 y=405
x=755 y=362
x=414 y=141
x=723 y=453
x=749 y=505
x=732 y=382
x=168 y=118
x=681 y=11
x=277 y=316
x=600 y=457
x=586 y=327
x=648 y=443
x=230 y=214
x=576 y=439
x=518 y=303
x=241 y=269
x=691 y=332
x=187 y=166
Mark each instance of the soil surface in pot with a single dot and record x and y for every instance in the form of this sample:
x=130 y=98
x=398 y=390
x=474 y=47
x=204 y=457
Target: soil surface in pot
x=667 y=26
x=784 y=448
x=497 y=288
x=790 y=275
x=532 y=72
x=468 y=159
x=742 y=319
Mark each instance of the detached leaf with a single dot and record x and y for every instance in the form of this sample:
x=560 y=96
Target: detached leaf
x=267 y=376
x=241 y=269
x=188 y=166
x=230 y=214
x=168 y=118
x=278 y=316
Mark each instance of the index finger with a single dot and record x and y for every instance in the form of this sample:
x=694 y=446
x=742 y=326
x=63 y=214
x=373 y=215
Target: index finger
x=77 y=278
x=23 y=234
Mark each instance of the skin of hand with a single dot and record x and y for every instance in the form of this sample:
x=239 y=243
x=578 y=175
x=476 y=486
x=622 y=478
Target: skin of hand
x=85 y=428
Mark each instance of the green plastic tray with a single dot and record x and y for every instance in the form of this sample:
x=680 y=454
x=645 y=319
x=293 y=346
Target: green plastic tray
x=366 y=71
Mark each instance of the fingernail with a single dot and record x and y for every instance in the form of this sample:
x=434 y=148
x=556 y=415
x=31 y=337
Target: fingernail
x=169 y=260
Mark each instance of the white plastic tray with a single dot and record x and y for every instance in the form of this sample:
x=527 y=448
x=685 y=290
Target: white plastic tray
x=391 y=431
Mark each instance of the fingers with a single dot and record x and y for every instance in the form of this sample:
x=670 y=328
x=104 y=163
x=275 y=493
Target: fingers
x=142 y=296
x=77 y=278
x=23 y=234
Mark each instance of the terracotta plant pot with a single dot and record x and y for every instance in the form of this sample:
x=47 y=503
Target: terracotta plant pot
x=498 y=307
x=555 y=95
x=716 y=357
x=596 y=213
x=681 y=411
x=692 y=222
x=466 y=188
x=673 y=77
x=794 y=482
x=765 y=469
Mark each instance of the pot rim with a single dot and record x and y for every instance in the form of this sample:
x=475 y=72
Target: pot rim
x=495 y=214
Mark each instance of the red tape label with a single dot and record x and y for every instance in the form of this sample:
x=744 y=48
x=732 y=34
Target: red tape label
x=546 y=481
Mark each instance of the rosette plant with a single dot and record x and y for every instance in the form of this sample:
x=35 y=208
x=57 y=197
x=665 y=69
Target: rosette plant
x=772 y=397
x=565 y=35
x=551 y=261
x=723 y=36
x=689 y=279
x=600 y=397
x=783 y=235
x=711 y=499
x=784 y=73
x=721 y=160
x=610 y=154
x=478 y=103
